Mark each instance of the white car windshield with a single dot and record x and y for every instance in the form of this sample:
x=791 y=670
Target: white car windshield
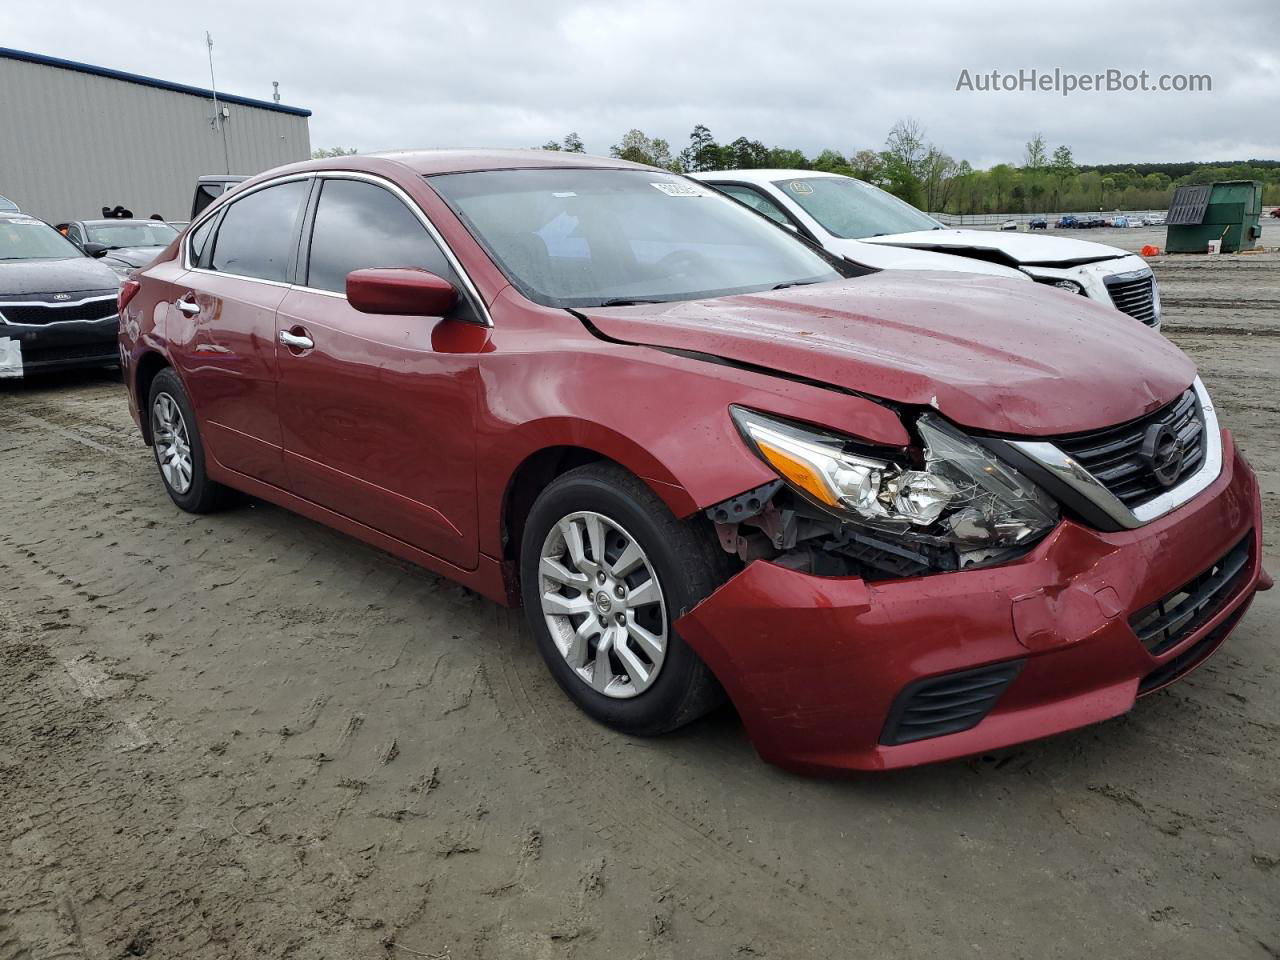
x=23 y=238
x=853 y=210
x=588 y=237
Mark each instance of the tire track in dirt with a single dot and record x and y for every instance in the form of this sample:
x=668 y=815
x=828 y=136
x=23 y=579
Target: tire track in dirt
x=689 y=862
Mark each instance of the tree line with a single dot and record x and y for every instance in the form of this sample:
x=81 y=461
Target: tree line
x=920 y=172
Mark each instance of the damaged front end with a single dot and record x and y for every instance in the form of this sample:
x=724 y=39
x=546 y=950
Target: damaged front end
x=841 y=508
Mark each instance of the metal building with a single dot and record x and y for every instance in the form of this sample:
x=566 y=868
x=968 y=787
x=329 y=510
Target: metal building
x=75 y=138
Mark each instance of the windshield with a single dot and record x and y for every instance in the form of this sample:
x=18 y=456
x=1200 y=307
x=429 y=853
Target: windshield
x=853 y=210
x=30 y=239
x=577 y=238
x=8 y=205
x=132 y=233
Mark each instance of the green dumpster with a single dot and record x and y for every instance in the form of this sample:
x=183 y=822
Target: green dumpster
x=1226 y=211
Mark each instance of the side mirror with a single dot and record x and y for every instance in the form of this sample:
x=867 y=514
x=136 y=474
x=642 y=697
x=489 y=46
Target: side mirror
x=401 y=291
x=94 y=249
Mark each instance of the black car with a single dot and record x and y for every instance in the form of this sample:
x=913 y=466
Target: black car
x=1039 y=223
x=57 y=304
x=123 y=245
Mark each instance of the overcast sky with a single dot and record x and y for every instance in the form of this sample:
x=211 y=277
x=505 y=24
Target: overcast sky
x=415 y=73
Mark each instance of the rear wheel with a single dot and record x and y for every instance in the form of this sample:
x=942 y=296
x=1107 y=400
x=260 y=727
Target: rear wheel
x=179 y=451
x=606 y=570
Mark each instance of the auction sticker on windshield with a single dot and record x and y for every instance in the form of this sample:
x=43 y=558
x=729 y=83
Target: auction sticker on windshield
x=679 y=189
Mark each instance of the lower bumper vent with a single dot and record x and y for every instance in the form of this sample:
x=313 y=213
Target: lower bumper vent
x=936 y=706
x=1173 y=618
x=1190 y=658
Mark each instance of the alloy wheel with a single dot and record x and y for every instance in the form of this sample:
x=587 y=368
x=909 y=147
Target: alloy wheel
x=603 y=604
x=172 y=444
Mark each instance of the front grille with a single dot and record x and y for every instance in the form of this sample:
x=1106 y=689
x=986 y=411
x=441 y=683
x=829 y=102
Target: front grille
x=1175 y=616
x=1136 y=297
x=1188 y=660
x=46 y=313
x=1117 y=459
x=107 y=351
x=936 y=706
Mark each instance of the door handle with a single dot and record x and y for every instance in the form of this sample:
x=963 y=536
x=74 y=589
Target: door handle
x=296 y=341
x=187 y=307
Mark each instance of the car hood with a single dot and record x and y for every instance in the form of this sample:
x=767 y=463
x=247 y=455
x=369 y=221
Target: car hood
x=903 y=258
x=994 y=355
x=134 y=256
x=73 y=274
x=1014 y=249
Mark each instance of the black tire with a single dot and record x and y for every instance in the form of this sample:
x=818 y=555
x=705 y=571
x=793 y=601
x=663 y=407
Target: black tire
x=203 y=495
x=689 y=564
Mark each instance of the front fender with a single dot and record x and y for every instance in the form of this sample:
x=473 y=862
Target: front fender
x=664 y=417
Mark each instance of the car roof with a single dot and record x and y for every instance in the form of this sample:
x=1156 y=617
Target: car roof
x=429 y=162
x=764 y=176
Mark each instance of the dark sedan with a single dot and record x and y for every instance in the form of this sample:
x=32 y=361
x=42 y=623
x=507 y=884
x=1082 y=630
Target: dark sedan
x=57 y=304
x=123 y=245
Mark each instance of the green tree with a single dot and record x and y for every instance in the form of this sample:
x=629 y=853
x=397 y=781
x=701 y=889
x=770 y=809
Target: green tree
x=786 y=159
x=901 y=180
x=323 y=153
x=1035 y=157
x=661 y=151
x=702 y=153
x=638 y=148
x=744 y=154
x=573 y=143
x=868 y=166
x=832 y=161
x=906 y=146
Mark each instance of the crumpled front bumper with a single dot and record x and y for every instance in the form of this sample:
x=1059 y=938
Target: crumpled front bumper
x=814 y=664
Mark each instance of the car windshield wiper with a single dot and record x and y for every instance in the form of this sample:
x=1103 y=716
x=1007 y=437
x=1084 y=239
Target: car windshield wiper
x=794 y=283
x=624 y=302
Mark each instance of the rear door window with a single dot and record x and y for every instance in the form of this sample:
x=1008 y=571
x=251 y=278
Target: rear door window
x=360 y=225
x=258 y=234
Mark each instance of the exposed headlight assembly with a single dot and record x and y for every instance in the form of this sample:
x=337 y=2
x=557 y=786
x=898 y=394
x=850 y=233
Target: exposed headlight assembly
x=961 y=495
x=1070 y=286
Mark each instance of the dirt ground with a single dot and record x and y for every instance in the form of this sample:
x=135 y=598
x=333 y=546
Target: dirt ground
x=244 y=735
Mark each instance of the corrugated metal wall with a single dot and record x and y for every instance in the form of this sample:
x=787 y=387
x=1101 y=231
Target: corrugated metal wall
x=72 y=143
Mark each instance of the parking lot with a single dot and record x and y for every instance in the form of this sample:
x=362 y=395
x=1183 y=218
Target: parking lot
x=246 y=735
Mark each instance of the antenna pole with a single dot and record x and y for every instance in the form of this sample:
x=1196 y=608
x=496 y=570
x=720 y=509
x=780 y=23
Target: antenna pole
x=218 y=125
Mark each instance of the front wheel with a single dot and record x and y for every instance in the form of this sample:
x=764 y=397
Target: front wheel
x=178 y=448
x=606 y=571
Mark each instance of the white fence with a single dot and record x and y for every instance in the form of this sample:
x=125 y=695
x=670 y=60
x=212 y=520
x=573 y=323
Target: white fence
x=995 y=219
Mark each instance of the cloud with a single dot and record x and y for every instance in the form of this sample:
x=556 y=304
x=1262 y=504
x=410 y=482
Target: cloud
x=402 y=73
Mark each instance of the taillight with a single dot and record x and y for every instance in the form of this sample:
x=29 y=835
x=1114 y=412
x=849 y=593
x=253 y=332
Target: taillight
x=128 y=290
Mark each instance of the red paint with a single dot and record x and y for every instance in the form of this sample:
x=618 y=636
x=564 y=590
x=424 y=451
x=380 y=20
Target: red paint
x=991 y=354
x=813 y=681
x=403 y=291
x=406 y=429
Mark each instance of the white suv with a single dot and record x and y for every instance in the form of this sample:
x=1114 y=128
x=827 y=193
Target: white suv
x=863 y=223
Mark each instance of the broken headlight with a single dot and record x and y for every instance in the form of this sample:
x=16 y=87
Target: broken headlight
x=961 y=495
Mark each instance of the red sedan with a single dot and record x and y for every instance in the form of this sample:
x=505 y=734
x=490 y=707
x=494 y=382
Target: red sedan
x=895 y=517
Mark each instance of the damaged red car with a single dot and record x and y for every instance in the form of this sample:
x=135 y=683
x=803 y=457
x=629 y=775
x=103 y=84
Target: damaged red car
x=894 y=517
